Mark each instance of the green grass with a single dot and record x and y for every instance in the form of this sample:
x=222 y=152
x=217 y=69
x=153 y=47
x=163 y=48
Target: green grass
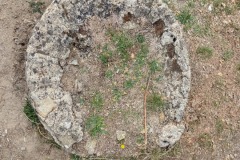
x=155 y=102
x=164 y=154
x=95 y=125
x=122 y=42
x=219 y=126
x=205 y=141
x=31 y=113
x=154 y=66
x=109 y=74
x=204 y=52
x=191 y=3
x=227 y=55
x=117 y=94
x=185 y=17
x=140 y=38
x=238 y=67
x=142 y=55
x=75 y=157
x=36 y=6
x=128 y=84
x=219 y=9
x=201 y=30
x=106 y=55
x=238 y=5
x=140 y=139
x=97 y=101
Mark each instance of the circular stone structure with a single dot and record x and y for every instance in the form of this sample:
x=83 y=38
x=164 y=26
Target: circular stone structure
x=68 y=35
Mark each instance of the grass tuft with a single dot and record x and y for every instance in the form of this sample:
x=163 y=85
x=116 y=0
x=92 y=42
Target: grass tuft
x=95 y=125
x=185 y=17
x=140 y=38
x=205 y=141
x=128 y=84
x=31 y=113
x=75 y=157
x=106 y=55
x=154 y=66
x=36 y=6
x=227 y=55
x=97 y=101
x=155 y=102
x=219 y=126
x=238 y=67
x=123 y=42
x=204 y=52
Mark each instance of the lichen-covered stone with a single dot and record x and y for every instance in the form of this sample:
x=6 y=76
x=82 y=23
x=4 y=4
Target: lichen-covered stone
x=60 y=28
x=170 y=134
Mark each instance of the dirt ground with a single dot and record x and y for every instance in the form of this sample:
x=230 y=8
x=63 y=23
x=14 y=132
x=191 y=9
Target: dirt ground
x=212 y=115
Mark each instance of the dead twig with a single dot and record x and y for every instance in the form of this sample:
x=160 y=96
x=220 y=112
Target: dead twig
x=145 y=111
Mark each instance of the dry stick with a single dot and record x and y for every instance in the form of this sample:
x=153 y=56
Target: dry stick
x=145 y=111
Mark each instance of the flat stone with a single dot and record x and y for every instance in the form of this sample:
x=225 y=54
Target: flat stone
x=74 y=62
x=120 y=135
x=90 y=146
x=45 y=107
x=170 y=134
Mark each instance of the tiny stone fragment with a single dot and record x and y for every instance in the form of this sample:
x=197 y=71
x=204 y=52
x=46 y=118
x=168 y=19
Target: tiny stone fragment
x=120 y=135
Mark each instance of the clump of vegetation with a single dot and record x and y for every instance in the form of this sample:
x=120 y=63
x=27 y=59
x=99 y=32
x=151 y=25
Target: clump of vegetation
x=95 y=125
x=219 y=126
x=117 y=94
x=201 y=30
x=36 y=6
x=97 y=101
x=140 y=139
x=140 y=38
x=154 y=66
x=123 y=42
x=205 y=141
x=155 y=102
x=109 y=74
x=185 y=17
x=31 y=113
x=204 y=52
x=106 y=55
x=238 y=67
x=158 y=154
x=75 y=157
x=227 y=55
x=128 y=84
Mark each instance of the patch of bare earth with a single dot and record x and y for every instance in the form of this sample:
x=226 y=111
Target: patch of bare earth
x=19 y=140
x=116 y=74
x=212 y=115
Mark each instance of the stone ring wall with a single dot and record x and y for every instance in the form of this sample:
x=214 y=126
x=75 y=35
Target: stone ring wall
x=49 y=47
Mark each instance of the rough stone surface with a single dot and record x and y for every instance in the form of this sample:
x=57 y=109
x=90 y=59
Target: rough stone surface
x=170 y=134
x=60 y=28
x=90 y=146
x=120 y=135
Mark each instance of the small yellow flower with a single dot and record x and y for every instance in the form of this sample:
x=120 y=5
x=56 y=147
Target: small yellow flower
x=122 y=146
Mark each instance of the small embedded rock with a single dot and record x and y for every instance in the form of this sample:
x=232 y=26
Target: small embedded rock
x=90 y=146
x=120 y=135
x=74 y=62
x=170 y=134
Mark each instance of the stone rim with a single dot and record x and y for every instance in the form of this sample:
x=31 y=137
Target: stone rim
x=48 y=47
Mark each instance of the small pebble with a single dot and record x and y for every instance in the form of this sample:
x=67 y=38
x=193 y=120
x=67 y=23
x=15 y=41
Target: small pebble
x=210 y=8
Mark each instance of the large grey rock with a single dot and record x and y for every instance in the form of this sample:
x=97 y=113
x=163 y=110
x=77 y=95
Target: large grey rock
x=50 y=47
